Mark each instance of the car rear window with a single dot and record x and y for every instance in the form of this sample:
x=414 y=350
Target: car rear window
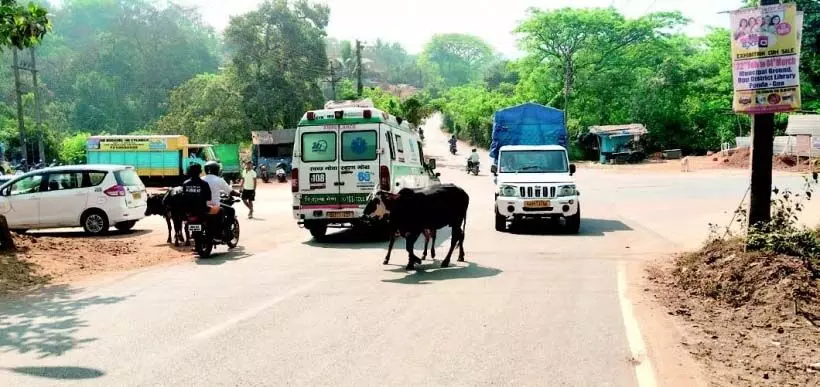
x=319 y=146
x=359 y=145
x=95 y=178
x=128 y=177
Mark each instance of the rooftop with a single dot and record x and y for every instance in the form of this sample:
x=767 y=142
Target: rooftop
x=631 y=129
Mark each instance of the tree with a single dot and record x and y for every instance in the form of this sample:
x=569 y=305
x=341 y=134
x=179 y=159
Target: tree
x=73 y=148
x=279 y=57
x=582 y=39
x=207 y=108
x=457 y=58
x=22 y=26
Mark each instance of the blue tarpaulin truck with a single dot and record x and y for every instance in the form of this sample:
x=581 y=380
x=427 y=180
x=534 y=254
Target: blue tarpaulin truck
x=531 y=167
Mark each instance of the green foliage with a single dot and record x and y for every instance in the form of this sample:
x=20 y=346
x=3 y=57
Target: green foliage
x=469 y=109
x=455 y=59
x=208 y=109
x=22 y=26
x=73 y=148
x=279 y=56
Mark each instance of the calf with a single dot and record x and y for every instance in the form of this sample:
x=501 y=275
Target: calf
x=412 y=211
x=684 y=164
x=169 y=205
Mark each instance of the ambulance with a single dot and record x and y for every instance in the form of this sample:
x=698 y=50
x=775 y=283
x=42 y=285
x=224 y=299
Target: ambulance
x=343 y=153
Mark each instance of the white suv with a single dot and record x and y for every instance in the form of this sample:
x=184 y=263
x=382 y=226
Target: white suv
x=93 y=197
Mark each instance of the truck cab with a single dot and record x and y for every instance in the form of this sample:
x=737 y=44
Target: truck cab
x=535 y=182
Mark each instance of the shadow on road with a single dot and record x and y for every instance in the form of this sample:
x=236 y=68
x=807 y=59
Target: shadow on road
x=428 y=273
x=362 y=239
x=589 y=227
x=113 y=234
x=46 y=322
x=59 y=373
x=219 y=258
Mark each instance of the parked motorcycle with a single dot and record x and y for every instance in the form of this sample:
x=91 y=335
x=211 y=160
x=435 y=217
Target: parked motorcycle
x=472 y=168
x=281 y=175
x=263 y=173
x=204 y=241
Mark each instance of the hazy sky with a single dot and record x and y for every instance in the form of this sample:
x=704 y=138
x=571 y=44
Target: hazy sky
x=413 y=22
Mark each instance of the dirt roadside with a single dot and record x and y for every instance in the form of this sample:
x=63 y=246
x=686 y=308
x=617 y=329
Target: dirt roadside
x=68 y=255
x=736 y=160
x=750 y=319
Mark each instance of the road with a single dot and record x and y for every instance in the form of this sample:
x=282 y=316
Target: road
x=529 y=308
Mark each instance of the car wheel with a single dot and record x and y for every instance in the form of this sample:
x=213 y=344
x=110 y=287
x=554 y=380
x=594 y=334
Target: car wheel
x=500 y=222
x=125 y=226
x=574 y=222
x=318 y=230
x=95 y=222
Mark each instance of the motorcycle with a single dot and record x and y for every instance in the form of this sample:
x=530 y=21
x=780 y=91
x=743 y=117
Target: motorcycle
x=453 y=149
x=281 y=175
x=204 y=240
x=263 y=173
x=472 y=168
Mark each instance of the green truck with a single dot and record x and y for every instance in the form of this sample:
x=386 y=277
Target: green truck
x=228 y=156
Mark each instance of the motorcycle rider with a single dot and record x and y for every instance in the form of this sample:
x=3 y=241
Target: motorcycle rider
x=196 y=192
x=452 y=142
x=472 y=159
x=218 y=185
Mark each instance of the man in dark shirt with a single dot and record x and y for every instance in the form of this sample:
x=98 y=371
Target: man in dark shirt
x=196 y=191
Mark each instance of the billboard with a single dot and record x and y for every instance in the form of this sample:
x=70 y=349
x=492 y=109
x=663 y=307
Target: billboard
x=766 y=59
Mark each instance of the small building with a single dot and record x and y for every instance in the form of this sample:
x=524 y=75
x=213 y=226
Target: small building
x=616 y=139
x=804 y=133
x=273 y=147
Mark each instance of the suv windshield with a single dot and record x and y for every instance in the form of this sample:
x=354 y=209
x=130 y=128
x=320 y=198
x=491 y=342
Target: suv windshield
x=534 y=161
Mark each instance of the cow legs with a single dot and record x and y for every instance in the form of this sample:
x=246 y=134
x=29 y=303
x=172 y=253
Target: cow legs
x=461 y=244
x=426 y=243
x=433 y=244
x=456 y=238
x=168 y=223
x=389 y=248
x=412 y=259
x=187 y=233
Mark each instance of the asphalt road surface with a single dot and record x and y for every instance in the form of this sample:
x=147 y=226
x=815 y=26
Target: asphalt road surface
x=533 y=307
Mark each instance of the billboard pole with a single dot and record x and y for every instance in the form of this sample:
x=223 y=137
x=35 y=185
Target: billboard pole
x=761 y=163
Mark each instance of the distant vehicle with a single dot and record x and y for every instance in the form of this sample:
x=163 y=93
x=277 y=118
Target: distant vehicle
x=531 y=167
x=93 y=197
x=228 y=156
x=342 y=154
x=159 y=160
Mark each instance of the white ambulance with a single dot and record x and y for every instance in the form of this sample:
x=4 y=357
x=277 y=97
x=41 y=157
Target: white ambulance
x=344 y=152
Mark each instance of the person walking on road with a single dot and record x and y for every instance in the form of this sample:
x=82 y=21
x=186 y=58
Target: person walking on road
x=249 y=187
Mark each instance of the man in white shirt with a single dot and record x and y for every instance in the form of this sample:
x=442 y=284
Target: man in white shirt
x=249 y=187
x=218 y=187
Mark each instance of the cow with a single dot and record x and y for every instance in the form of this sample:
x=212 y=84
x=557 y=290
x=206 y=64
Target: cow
x=411 y=211
x=428 y=236
x=169 y=205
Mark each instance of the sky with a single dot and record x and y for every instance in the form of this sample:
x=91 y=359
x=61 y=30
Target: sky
x=413 y=22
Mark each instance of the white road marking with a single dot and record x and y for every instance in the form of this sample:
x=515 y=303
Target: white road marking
x=643 y=369
x=252 y=312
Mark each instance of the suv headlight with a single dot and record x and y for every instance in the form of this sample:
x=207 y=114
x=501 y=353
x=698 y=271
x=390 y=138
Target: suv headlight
x=508 y=190
x=566 y=190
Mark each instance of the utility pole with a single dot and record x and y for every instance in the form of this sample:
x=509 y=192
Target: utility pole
x=333 y=81
x=21 y=126
x=37 y=113
x=359 y=68
x=760 y=206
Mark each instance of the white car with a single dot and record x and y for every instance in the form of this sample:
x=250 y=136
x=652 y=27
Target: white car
x=93 y=197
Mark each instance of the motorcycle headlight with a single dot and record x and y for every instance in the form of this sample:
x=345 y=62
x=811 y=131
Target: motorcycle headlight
x=508 y=190
x=567 y=190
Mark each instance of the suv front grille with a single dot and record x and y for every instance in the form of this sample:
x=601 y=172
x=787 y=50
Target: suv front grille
x=537 y=191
